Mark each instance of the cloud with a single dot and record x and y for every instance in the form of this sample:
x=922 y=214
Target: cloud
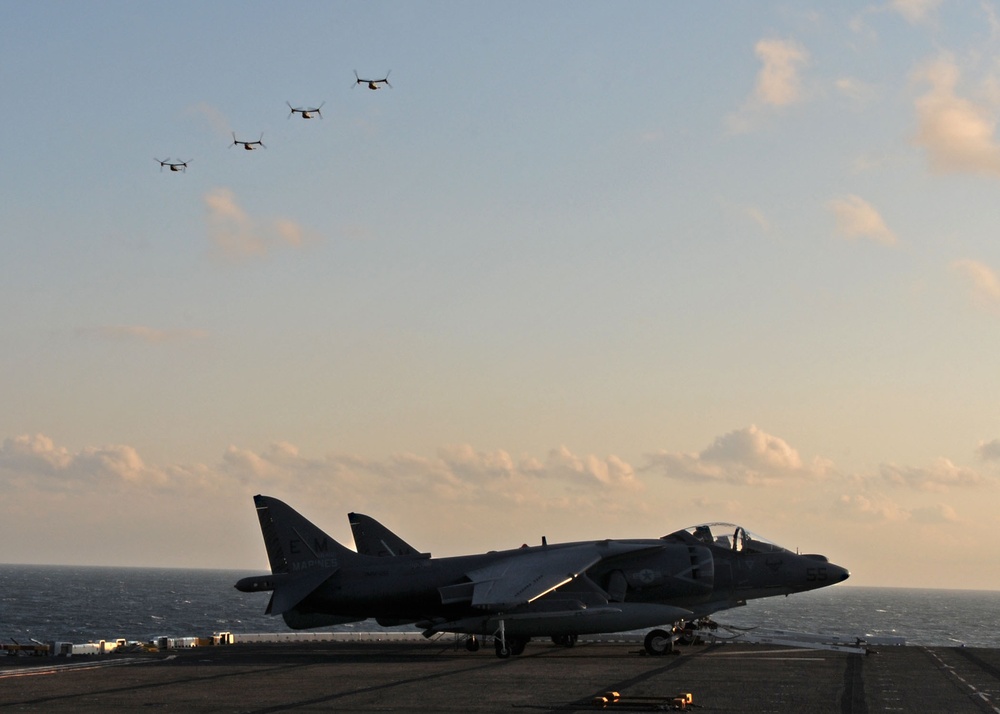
x=957 y=133
x=989 y=450
x=457 y=499
x=456 y=474
x=871 y=508
x=854 y=89
x=941 y=477
x=230 y=228
x=612 y=471
x=878 y=509
x=915 y=11
x=211 y=116
x=939 y=513
x=140 y=333
x=758 y=217
x=236 y=235
x=753 y=447
x=992 y=19
x=778 y=81
x=33 y=453
x=982 y=282
x=30 y=457
x=290 y=232
x=856 y=218
x=747 y=457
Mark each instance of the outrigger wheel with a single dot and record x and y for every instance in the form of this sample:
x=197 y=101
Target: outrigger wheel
x=515 y=646
x=658 y=642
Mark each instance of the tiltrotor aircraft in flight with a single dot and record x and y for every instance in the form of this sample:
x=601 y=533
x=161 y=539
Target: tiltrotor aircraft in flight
x=549 y=590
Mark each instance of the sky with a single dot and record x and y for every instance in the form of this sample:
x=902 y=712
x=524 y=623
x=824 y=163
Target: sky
x=586 y=270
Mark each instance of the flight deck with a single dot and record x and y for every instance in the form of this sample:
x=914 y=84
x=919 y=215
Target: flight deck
x=441 y=676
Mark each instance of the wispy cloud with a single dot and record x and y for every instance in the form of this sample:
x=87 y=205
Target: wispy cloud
x=989 y=450
x=237 y=236
x=871 y=508
x=938 y=513
x=940 y=477
x=757 y=216
x=141 y=333
x=957 y=133
x=915 y=11
x=854 y=89
x=877 y=508
x=981 y=280
x=778 y=82
x=856 y=218
x=211 y=116
x=991 y=18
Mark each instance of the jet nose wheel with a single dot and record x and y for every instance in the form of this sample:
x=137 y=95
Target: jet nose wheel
x=658 y=642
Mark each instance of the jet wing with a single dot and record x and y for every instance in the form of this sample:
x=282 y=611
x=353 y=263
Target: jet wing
x=521 y=578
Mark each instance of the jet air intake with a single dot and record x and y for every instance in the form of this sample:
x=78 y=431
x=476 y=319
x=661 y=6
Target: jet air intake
x=678 y=570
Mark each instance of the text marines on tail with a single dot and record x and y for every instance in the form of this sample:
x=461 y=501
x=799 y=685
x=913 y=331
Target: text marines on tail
x=550 y=590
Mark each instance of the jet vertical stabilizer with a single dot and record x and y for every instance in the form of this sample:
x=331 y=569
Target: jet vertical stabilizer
x=302 y=557
x=372 y=538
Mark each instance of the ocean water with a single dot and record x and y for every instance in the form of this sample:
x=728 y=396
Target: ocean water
x=85 y=604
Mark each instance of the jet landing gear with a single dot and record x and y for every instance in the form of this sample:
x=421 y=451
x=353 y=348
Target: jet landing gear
x=659 y=642
x=507 y=646
x=514 y=646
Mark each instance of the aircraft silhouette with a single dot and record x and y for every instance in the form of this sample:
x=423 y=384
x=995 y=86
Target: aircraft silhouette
x=305 y=112
x=548 y=590
x=248 y=145
x=173 y=165
x=372 y=83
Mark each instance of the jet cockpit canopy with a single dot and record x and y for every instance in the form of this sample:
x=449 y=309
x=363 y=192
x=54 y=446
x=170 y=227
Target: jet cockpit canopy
x=731 y=537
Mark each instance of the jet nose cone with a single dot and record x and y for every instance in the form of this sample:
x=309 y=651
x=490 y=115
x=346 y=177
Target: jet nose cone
x=840 y=574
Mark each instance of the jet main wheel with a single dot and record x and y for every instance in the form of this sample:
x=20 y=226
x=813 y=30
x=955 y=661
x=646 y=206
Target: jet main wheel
x=472 y=644
x=564 y=640
x=658 y=642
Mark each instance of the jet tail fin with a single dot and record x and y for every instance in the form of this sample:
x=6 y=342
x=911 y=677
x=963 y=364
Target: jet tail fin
x=372 y=538
x=302 y=557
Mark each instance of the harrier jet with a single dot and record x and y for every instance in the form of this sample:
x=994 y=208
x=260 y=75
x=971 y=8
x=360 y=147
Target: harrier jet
x=548 y=590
